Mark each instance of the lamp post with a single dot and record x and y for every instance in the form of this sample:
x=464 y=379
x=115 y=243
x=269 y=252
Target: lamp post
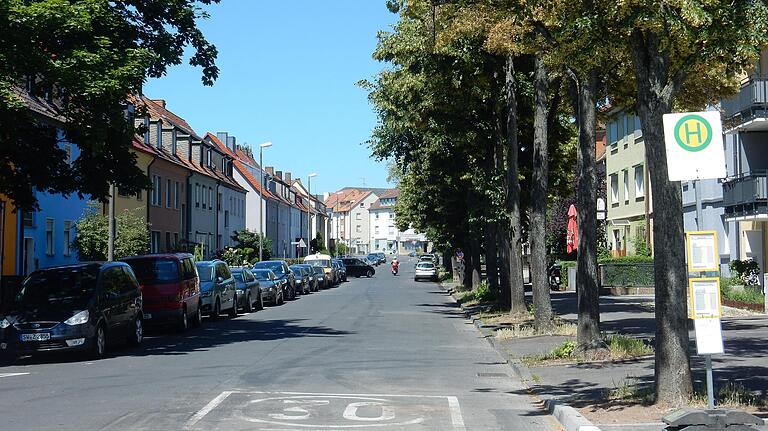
x=262 y=213
x=309 y=209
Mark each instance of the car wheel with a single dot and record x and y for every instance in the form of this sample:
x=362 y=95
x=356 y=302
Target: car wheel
x=369 y=273
x=260 y=303
x=137 y=332
x=198 y=319
x=233 y=311
x=248 y=304
x=281 y=299
x=99 y=348
x=183 y=323
x=216 y=312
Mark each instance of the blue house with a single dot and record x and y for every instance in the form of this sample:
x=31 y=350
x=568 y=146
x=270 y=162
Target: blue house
x=46 y=235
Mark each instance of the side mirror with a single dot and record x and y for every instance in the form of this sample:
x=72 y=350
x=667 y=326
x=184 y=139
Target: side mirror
x=219 y=280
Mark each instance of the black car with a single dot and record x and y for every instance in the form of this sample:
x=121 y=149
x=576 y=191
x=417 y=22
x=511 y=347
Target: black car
x=357 y=267
x=303 y=280
x=77 y=307
x=285 y=277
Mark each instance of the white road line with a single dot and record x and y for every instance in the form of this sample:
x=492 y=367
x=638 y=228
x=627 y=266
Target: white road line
x=456 y=418
x=12 y=374
x=207 y=409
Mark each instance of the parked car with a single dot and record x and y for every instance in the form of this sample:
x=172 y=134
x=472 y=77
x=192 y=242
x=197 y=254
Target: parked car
x=284 y=275
x=374 y=259
x=382 y=257
x=342 y=269
x=425 y=270
x=303 y=280
x=314 y=279
x=412 y=254
x=371 y=260
x=74 y=308
x=323 y=282
x=323 y=261
x=248 y=291
x=357 y=267
x=269 y=284
x=170 y=289
x=217 y=288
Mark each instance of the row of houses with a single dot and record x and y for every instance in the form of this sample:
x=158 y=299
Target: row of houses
x=204 y=189
x=363 y=219
x=735 y=207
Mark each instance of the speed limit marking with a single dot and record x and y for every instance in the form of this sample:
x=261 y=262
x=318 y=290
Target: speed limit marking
x=318 y=411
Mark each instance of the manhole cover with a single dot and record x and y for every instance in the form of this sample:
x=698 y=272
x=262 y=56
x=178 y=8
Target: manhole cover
x=500 y=375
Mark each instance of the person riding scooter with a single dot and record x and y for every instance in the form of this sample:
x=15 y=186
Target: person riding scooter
x=395 y=266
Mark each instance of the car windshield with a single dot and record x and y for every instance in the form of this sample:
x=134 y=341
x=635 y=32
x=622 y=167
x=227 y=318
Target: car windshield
x=155 y=271
x=205 y=271
x=425 y=266
x=318 y=270
x=320 y=262
x=276 y=267
x=238 y=276
x=262 y=275
x=71 y=286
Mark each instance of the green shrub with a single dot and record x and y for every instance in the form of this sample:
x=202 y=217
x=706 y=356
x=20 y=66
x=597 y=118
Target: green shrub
x=484 y=293
x=627 y=259
x=627 y=272
x=564 y=350
x=746 y=270
x=622 y=346
x=564 y=265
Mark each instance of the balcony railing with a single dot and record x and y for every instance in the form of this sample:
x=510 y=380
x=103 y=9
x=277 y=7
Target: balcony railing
x=746 y=193
x=751 y=101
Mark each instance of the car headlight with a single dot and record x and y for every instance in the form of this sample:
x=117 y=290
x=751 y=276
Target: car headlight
x=4 y=323
x=78 y=319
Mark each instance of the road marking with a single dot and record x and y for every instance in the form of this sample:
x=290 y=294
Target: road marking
x=300 y=401
x=456 y=419
x=207 y=409
x=12 y=374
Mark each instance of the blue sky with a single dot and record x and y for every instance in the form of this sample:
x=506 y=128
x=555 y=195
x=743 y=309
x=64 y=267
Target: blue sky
x=288 y=74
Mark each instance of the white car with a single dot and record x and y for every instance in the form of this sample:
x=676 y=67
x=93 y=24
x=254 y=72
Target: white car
x=425 y=270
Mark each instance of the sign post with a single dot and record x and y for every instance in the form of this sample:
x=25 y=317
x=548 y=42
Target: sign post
x=694 y=147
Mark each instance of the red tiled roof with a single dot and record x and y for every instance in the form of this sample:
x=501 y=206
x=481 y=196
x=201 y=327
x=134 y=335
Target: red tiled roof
x=389 y=194
x=157 y=111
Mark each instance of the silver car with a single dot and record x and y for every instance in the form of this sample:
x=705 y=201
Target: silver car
x=425 y=270
x=217 y=288
x=269 y=285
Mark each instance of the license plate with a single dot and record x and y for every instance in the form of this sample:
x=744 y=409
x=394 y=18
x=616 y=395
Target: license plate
x=147 y=316
x=43 y=336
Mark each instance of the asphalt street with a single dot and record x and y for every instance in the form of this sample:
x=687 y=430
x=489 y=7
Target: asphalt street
x=384 y=353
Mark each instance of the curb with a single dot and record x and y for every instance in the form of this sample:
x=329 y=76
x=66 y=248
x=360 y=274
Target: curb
x=568 y=417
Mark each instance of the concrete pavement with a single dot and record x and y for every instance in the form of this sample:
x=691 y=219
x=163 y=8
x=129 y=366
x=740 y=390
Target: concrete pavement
x=384 y=353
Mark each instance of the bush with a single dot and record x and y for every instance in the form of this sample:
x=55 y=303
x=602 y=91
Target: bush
x=627 y=259
x=564 y=265
x=746 y=270
x=484 y=293
x=131 y=238
x=636 y=271
x=564 y=350
x=622 y=346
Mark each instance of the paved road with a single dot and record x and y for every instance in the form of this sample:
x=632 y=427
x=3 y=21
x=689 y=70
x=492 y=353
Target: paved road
x=383 y=353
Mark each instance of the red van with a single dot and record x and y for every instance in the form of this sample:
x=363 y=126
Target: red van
x=170 y=288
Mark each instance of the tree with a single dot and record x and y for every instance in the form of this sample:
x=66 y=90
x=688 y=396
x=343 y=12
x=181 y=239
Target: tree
x=669 y=44
x=131 y=239
x=318 y=244
x=82 y=60
x=248 y=246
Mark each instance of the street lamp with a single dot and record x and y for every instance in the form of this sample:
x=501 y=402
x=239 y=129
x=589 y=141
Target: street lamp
x=262 y=213
x=309 y=209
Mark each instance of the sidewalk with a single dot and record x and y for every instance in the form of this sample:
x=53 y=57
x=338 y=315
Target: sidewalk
x=586 y=385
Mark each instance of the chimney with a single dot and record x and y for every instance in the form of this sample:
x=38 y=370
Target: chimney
x=288 y=178
x=231 y=141
x=279 y=174
x=270 y=170
x=160 y=102
x=223 y=136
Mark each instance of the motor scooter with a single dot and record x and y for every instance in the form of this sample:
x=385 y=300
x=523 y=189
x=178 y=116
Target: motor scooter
x=395 y=269
x=554 y=276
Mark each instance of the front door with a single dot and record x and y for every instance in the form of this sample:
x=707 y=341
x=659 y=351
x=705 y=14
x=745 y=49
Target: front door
x=29 y=256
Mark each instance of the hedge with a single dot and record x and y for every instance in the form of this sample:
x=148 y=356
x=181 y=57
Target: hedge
x=626 y=274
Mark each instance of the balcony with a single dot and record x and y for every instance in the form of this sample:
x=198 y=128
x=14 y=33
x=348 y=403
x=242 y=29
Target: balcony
x=749 y=104
x=746 y=196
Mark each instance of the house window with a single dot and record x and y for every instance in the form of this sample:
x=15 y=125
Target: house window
x=168 y=194
x=154 y=242
x=218 y=202
x=159 y=135
x=226 y=219
x=358 y=228
x=28 y=218
x=376 y=230
x=614 y=189
x=156 y=192
x=377 y=216
x=626 y=185
x=621 y=130
x=176 y=191
x=639 y=182
x=209 y=155
x=49 y=248
x=173 y=142
x=203 y=197
x=197 y=195
x=210 y=198
x=359 y=216
x=67 y=237
x=391 y=230
x=168 y=245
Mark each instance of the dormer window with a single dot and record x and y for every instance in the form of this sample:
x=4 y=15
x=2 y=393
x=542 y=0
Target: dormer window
x=209 y=158
x=159 y=134
x=173 y=141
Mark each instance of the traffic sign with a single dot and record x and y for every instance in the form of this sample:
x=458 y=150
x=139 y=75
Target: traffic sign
x=694 y=143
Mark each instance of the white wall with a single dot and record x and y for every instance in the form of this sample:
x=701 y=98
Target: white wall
x=252 y=214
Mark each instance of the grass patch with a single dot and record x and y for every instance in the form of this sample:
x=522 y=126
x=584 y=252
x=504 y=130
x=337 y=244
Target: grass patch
x=527 y=330
x=618 y=347
x=748 y=294
x=730 y=395
x=443 y=276
x=630 y=390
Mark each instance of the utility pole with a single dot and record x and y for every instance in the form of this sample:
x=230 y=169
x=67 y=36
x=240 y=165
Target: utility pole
x=309 y=210
x=262 y=214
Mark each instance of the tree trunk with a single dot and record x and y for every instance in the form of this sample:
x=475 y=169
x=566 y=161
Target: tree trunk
x=476 y=264
x=655 y=92
x=538 y=225
x=512 y=250
x=587 y=289
x=491 y=269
